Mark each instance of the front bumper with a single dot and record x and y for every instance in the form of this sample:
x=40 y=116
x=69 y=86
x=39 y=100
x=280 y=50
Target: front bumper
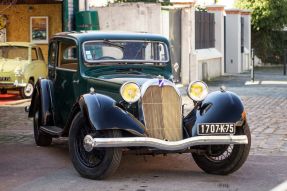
x=90 y=142
x=15 y=84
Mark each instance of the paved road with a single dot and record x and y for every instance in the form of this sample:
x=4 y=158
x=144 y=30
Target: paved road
x=24 y=166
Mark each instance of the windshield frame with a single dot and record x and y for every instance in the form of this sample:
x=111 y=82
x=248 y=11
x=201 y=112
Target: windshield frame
x=114 y=62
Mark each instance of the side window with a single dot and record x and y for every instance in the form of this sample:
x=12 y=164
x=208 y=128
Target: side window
x=34 y=54
x=40 y=54
x=53 y=54
x=68 y=57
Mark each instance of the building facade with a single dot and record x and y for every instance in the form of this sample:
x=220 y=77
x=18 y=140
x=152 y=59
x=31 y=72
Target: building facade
x=31 y=21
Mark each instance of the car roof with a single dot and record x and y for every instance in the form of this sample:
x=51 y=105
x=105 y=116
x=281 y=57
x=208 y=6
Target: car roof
x=111 y=35
x=24 y=44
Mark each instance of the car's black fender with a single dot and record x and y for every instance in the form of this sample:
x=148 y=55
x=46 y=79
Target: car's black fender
x=42 y=97
x=102 y=113
x=218 y=107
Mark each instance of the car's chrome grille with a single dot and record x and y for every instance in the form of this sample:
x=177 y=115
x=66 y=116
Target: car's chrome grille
x=162 y=113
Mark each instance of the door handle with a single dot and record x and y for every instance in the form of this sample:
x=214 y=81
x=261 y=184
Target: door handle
x=76 y=81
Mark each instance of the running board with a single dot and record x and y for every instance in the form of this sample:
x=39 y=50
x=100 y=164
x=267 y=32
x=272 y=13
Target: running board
x=52 y=130
x=90 y=142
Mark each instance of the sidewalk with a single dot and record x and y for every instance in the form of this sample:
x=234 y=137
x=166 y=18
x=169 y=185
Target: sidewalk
x=268 y=82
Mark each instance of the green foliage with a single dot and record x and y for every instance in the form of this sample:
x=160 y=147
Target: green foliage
x=200 y=8
x=269 y=17
x=266 y=14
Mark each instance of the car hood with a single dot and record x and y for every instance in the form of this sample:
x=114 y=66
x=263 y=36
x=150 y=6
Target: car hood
x=110 y=82
x=9 y=65
x=119 y=77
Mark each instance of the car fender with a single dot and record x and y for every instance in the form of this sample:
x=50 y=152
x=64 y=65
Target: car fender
x=43 y=95
x=102 y=113
x=218 y=107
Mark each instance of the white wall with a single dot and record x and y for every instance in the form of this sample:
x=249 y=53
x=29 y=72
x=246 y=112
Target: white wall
x=247 y=42
x=233 y=44
x=218 y=11
x=186 y=46
x=135 y=17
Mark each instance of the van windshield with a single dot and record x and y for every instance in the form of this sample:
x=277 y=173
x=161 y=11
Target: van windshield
x=12 y=52
x=116 y=51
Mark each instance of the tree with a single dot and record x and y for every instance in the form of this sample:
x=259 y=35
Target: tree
x=269 y=17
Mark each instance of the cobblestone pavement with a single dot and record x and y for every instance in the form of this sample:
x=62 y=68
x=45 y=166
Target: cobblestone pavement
x=266 y=106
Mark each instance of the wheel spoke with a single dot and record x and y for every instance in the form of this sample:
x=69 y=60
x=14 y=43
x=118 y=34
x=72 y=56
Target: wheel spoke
x=90 y=159
x=221 y=155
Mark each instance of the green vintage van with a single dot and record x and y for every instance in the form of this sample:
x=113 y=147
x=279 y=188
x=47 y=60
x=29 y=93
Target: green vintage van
x=21 y=64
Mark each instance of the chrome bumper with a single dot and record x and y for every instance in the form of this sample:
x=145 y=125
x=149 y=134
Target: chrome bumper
x=90 y=142
x=12 y=84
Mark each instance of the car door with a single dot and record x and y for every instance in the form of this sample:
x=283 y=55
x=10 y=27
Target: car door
x=66 y=79
x=41 y=63
x=37 y=66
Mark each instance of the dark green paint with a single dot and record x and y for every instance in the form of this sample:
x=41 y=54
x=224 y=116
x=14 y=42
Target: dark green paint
x=87 y=20
x=105 y=80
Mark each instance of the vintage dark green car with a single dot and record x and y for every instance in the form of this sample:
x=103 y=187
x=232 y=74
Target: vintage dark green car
x=112 y=92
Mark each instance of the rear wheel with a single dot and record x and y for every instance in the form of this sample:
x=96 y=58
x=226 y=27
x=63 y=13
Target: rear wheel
x=98 y=163
x=27 y=91
x=224 y=159
x=41 y=139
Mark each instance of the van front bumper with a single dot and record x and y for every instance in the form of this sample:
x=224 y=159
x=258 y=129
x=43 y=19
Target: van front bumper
x=10 y=85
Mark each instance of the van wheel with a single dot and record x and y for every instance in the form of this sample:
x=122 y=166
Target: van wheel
x=3 y=91
x=98 y=163
x=27 y=91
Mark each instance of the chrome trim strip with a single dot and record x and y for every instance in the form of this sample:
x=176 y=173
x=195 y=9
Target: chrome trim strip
x=65 y=69
x=90 y=142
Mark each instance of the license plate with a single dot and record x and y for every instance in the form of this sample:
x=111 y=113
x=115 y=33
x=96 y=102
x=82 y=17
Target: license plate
x=5 y=78
x=216 y=128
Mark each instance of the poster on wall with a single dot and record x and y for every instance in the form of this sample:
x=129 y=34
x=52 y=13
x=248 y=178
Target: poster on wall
x=39 y=30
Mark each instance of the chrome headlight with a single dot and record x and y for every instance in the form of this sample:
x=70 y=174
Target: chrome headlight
x=130 y=92
x=197 y=90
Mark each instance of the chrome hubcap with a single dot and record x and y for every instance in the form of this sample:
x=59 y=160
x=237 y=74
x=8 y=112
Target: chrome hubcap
x=28 y=90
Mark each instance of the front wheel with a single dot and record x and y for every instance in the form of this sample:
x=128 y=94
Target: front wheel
x=27 y=91
x=98 y=163
x=224 y=159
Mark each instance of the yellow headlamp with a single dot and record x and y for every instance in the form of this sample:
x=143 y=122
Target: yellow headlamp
x=197 y=90
x=130 y=92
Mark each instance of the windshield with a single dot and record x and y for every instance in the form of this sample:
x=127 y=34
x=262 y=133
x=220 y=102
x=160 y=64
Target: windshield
x=144 y=52
x=12 y=52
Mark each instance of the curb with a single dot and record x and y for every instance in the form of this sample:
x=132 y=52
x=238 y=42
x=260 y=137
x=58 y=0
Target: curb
x=12 y=103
